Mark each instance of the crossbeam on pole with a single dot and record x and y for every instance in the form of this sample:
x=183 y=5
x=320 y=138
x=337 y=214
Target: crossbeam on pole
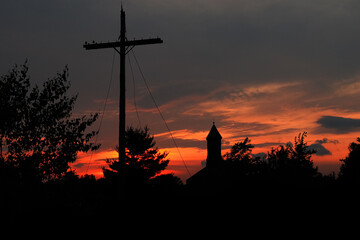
x=124 y=46
x=91 y=46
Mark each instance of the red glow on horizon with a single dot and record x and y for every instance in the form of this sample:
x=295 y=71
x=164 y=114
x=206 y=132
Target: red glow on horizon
x=93 y=162
x=270 y=114
x=193 y=158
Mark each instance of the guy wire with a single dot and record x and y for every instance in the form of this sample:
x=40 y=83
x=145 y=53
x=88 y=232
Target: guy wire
x=158 y=109
x=134 y=91
x=103 y=110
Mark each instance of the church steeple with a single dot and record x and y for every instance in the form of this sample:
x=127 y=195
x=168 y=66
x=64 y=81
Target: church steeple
x=213 y=139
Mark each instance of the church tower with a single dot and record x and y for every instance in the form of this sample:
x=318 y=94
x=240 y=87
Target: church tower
x=215 y=164
x=214 y=158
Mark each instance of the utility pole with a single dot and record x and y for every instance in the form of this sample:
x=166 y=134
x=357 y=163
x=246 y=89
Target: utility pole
x=124 y=46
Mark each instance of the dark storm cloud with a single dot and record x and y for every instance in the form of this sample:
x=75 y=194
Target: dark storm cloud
x=338 y=125
x=320 y=149
x=326 y=140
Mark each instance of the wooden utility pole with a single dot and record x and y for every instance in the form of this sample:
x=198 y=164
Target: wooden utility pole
x=124 y=46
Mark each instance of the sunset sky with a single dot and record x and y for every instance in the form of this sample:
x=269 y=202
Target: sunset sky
x=263 y=69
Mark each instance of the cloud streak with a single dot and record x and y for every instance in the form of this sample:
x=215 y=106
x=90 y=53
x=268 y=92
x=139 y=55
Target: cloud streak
x=338 y=125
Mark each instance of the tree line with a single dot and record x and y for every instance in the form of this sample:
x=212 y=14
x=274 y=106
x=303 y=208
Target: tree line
x=39 y=138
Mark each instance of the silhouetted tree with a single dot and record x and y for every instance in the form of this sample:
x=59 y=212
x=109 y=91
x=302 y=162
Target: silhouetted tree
x=350 y=167
x=278 y=158
x=241 y=151
x=38 y=135
x=142 y=161
x=241 y=159
x=292 y=164
x=241 y=170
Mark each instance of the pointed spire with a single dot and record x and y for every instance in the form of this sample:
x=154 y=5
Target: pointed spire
x=213 y=139
x=214 y=133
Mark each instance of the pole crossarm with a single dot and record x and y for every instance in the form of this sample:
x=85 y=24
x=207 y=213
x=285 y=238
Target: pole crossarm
x=122 y=46
x=91 y=46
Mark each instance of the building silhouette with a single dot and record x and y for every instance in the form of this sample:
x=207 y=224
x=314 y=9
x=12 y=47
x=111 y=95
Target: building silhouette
x=214 y=158
x=213 y=172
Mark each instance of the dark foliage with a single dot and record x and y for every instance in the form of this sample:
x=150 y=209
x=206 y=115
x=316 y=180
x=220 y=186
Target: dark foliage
x=38 y=135
x=350 y=168
x=285 y=167
x=240 y=152
x=143 y=160
x=241 y=159
x=291 y=164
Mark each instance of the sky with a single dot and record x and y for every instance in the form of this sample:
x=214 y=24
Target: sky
x=263 y=69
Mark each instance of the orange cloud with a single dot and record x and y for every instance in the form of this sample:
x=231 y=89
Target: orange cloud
x=269 y=114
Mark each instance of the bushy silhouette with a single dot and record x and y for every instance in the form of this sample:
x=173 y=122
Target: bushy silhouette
x=38 y=135
x=39 y=138
x=292 y=164
x=241 y=151
x=143 y=160
x=350 y=167
x=241 y=159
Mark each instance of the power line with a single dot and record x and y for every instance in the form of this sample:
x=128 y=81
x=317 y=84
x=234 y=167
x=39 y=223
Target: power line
x=124 y=45
x=153 y=99
x=134 y=91
x=158 y=109
x=103 y=110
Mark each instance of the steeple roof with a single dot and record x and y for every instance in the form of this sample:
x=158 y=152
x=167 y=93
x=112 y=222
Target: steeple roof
x=214 y=133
